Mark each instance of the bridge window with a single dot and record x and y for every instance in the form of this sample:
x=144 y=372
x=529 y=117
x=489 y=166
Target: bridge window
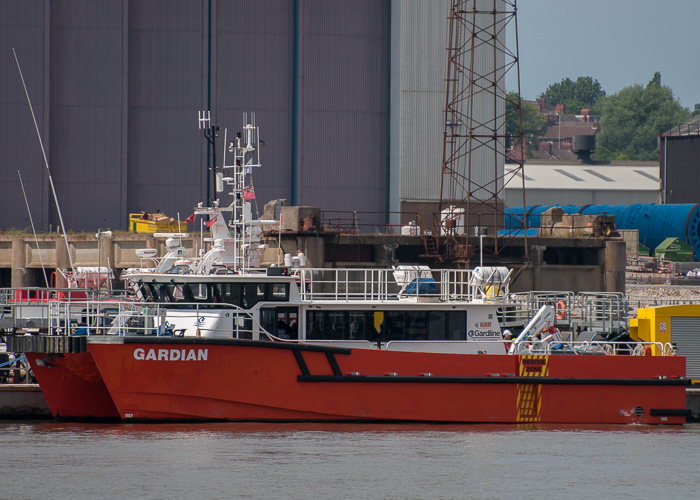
x=386 y=325
x=244 y=295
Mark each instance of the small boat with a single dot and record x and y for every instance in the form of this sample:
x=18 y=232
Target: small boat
x=217 y=337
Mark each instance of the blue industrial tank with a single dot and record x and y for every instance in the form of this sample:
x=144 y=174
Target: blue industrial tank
x=654 y=222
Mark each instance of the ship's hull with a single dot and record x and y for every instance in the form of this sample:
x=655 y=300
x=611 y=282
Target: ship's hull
x=237 y=380
x=73 y=387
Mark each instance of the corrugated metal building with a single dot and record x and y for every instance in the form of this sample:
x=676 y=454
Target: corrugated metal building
x=417 y=99
x=348 y=95
x=418 y=39
x=572 y=183
x=679 y=151
x=116 y=86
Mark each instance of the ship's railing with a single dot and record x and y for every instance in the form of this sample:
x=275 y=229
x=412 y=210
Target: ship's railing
x=601 y=347
x=379 y=285
x=591 y=311
x=447 y=346
x=603 y=312
x=125 y=317
x=28 y=307
x=353 y=344
x=528 y=303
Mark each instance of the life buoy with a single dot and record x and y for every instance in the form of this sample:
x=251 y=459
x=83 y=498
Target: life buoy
x=561 y=309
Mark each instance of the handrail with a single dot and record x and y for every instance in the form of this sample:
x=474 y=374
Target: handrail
x=127 y=317
x=602 y=347
x=380 y=285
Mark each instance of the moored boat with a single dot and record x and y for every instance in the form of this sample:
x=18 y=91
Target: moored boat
x=215 y=379
x=219 y=338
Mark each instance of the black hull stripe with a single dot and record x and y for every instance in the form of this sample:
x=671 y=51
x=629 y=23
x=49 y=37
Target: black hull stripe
x=492 y=380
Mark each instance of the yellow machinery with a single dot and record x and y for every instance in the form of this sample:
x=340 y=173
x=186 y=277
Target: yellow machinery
x=678 y=325
x=153 y=223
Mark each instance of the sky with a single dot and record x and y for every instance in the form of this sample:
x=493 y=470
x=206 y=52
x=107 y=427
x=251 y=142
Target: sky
x=617 y=42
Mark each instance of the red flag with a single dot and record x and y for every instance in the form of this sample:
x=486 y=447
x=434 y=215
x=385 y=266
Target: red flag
x=211 y=221
x=190 y=218
x=248 y=193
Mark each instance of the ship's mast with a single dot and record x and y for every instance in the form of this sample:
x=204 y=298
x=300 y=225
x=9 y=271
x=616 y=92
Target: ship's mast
x=246 y=156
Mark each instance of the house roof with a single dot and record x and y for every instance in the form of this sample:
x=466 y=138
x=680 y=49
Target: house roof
x=622 y=176
x=570 y=129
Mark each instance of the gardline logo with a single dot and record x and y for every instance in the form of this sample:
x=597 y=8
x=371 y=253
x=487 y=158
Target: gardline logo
x=484 y=334
x=141 y=354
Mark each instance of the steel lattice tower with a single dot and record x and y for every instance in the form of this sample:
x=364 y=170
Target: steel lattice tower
x=477 y=107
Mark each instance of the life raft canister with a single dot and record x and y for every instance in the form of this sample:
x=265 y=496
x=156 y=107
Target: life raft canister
x=561 y=310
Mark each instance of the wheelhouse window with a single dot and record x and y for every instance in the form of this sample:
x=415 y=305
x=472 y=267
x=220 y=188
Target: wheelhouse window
x=244 y=295
x=386 y=326
x=278 y=292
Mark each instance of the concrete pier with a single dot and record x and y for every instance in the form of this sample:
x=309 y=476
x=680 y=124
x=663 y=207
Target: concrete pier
x=22 y=401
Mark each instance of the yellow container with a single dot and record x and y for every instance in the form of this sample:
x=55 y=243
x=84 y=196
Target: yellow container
x=153 y=223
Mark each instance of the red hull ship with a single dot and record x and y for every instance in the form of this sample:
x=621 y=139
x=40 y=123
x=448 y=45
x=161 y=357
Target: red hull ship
x=73 y=387
x=207 y=379
x=220 y=338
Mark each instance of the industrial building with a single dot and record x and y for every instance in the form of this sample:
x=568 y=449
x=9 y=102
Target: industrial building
x=553 y=182
x=679 y=153
x=348 y=96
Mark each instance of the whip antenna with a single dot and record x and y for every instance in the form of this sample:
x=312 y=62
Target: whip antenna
x=46 y=162
x=36 y=240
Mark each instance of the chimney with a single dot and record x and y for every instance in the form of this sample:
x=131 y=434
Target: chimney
x=560 y=109
x=542 y=103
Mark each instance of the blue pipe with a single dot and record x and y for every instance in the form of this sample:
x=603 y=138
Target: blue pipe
x=655 y=222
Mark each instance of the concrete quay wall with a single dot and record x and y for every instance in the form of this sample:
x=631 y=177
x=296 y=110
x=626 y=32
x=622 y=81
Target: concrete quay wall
x=542 y=263
x=22 y=401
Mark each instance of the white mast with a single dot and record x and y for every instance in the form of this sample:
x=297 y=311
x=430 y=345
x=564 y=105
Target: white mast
x=46 y=162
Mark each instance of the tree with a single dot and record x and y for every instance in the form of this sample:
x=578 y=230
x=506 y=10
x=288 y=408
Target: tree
x=583 y=93
x=533 y=121
x=631 y=120
x=696 y=110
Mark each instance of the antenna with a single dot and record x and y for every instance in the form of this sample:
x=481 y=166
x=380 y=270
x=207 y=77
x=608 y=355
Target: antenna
x=36 y=240
x=46 y=162
x=210 y=134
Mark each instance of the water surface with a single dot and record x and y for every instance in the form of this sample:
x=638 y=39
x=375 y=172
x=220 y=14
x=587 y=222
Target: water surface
x=290 y=461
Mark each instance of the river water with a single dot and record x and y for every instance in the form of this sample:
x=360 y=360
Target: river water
x=288 y=461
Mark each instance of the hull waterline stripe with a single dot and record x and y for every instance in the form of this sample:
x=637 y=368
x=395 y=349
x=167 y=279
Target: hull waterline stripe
x=491 y=380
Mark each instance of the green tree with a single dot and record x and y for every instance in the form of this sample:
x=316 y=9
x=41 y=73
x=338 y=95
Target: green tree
x=696 y=110
x=533 y=121
x=631 y=120
x=583 y=93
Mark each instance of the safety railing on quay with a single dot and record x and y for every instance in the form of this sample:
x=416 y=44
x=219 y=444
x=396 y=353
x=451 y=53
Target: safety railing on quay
x=368 y=222
x=635 y=303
